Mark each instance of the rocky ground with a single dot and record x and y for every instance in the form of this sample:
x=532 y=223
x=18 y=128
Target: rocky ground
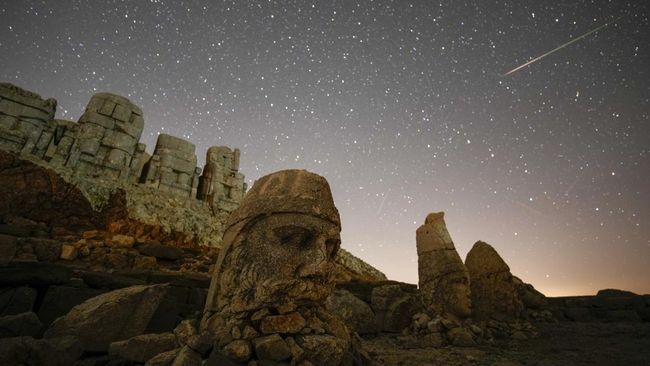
x=566 y=343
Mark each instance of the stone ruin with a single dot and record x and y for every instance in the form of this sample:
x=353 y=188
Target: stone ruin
x=105 y=144
x=494 y=291
x=443 y=278
x=266 y=299
x=466 y=303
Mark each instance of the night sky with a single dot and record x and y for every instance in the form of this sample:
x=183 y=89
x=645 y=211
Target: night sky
x=401 y=105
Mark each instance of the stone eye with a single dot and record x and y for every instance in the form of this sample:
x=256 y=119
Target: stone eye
x=294 y=235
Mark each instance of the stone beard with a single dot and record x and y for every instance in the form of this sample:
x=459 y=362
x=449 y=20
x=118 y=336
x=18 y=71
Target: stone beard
x=277 y=259
x=274 y=274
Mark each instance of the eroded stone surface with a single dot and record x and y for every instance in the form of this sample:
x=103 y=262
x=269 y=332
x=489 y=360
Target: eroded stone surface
x=494 y=290
x=443 y=278
x=275 y=272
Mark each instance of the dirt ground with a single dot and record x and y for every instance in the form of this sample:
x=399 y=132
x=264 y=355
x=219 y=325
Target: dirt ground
x=568 y=343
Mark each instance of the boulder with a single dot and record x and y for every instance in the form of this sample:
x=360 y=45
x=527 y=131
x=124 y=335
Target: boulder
x=16 y=300
x=34 y=274
x=352 y=311
x=57 y=351
x=119 y=314
x=25 y=324
x=394 y=307
x=58 y=301
x=143 y=347
x=163 y=359
x=493 y=288
x=271 y=347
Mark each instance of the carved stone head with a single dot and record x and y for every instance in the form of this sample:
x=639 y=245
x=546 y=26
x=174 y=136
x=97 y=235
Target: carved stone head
x=279 y=245
x=443 y=278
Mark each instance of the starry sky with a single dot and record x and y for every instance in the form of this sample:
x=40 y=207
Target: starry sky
x=401 y=105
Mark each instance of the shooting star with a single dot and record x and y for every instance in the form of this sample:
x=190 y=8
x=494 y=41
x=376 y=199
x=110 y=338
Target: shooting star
x=561 y=46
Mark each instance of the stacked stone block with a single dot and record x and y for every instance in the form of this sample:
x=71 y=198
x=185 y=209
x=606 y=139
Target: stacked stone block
x=173 y=167
x=221 y=185
x=107 y=140
x=24 y=120
x=105 y=144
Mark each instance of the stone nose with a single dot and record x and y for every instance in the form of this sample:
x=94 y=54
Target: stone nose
x=318 y=258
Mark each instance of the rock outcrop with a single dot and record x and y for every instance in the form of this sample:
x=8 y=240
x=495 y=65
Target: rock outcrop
x=273 y=275
x=443 y=278
x=494 y=289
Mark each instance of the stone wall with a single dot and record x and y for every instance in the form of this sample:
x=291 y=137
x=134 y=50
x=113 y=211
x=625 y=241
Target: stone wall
x=105 y=144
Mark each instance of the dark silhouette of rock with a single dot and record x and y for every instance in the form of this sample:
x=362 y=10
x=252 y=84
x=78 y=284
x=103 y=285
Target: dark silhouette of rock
x=142 y=347
x=25 y=324
x=494 y=291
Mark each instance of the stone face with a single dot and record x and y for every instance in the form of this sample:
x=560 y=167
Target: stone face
x=120 y=314
x=442 y=277
x=143 y=347
x=494 y=291
x=275 y=272
x=279 y=244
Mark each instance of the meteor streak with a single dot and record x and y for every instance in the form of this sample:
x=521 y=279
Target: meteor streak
x=560 y=47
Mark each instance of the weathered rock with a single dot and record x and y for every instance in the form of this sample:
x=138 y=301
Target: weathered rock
x=443 y=278
x=143 y=347
x=68 y=252
x=238 y=350
x=530 y=297
x=394 y=306
x=354 y=312
x=278 y=259
x=493 y=288
x=16 y=300
x=34 y=274
x=110 y=281
x=25 y=324
x=271 y=347
x=187 y=357
x=290 y=323
x=221 y=185
x=350 y=268
x=461 y=337
x=120 y=314
x=59 y=300
x=59 y=351
x=325 y=350
x=161 y=251
x=8 y=248
x=164 y=359
x=185 y=330
x=172 y=167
